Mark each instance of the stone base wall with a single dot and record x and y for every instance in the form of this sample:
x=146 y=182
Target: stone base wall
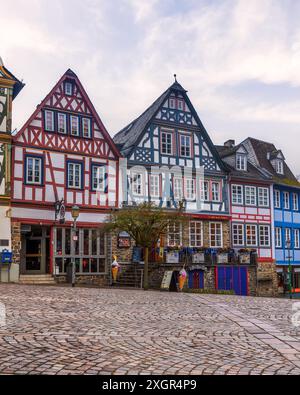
x=267 y=281
x=16 y=242
x=100 y=281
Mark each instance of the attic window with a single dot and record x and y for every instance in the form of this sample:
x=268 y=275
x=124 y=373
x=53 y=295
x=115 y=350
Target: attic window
x=279 y=166
x=241 y=162
x=68 y=88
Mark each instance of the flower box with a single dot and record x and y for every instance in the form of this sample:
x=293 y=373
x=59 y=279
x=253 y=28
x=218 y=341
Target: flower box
x=222 y=258
x=198 y=257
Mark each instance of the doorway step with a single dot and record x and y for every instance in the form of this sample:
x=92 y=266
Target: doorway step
x=37 y=279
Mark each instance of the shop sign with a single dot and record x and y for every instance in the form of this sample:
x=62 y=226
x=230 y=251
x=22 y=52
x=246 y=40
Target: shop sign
x=166 y=281
x=124 y=240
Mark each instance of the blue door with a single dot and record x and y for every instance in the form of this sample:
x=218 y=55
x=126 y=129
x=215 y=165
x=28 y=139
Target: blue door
x=232 y=278
x=196 y=279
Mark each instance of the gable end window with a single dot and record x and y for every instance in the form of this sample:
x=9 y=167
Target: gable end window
x=74 y=125
x=34 y=170
x=62 y=123
x=68 y=88
x=167 y=143
x=86 y=127
x=75 y=175
x=49 y=121
x=185 y=146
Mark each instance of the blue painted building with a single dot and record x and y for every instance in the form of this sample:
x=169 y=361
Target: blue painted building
x=286 y=207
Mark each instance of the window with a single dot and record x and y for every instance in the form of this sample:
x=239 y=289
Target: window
x=86 y=127
x=241 y=162
x=62 y=123
x=277 y=202
x=74 y=175
x=279 y=166
x=98 y=178
x=178 y=193
x=238 y=234
x=49 y=121
x=251 y=235
x=278 y=238
x=34 y=170
x=215 y=235
x=180 y=105
x=295 y=201
x=185 y=145
x=190 y=189
x=196 y=234
x=205 y=191
x=286 y=200
x=215 y=190
x=297 y=238
x=237 y=194
x=74 y=125
x=287 y=236
x=250 y=196
x=68 y=88
x=167 y=143
x=137 y=186
x=172 y=103
x=263 y=197
x=154 y=185
x=174 y=235
x=264 y=236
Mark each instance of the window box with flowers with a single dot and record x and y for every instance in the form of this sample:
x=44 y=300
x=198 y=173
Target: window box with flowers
x=245 y=256
x=222 y=256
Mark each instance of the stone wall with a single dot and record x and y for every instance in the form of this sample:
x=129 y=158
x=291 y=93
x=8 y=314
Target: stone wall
x=267 y=282
x=100 y=280
x=16 y=242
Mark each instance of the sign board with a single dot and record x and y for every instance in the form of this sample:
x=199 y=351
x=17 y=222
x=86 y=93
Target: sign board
x=124 y=240
x=198 y=258
x=137 y=254
x=166 y=281
x=172 y=257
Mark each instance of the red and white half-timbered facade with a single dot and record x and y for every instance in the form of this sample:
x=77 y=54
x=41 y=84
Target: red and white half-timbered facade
x=63 y=156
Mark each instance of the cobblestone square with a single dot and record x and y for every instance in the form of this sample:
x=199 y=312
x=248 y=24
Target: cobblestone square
x=59 y=330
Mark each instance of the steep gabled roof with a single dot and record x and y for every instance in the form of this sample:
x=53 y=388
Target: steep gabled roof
x=129 y=136
x=69 y=74
x=6 y=74
x=262 y=149
x=252 y=171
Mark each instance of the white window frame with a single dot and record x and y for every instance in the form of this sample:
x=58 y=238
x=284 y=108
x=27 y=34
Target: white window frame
x=178 y=188
x=263 y=197
x=73 y=117
x=286 y=200
x=196 y=234
x=238 y=235
x=89 y=123
x=75 y=166
x=100 y=178
x=279 y=166
x=287 y=236
x=137 y=184
x=168 y=145
x=47 y=129
x=295 y=201
x=250 y=195
x=278 y=237
x=190 y=189
x=252 y=235
x=297 y=239
x=174 y=234
x=277 y=200
x=241 y=162
x=264 y=236
x=154 y=184
x=236 y=196
x=64 y=116
x=204 y=188
x=68 y=92
x=35 y=161
x=216 y=193
x=184 y=146
x=218 y=236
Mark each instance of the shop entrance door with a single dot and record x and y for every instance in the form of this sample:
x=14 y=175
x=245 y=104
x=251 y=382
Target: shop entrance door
x=36 y=250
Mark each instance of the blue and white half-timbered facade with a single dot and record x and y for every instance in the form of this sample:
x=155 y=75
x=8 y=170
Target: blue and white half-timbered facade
x=170 y=157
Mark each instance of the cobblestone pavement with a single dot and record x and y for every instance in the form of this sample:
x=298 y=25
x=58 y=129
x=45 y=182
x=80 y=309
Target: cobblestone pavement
x=59 y=330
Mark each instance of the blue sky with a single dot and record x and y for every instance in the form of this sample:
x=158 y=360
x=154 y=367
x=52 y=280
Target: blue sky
x=239 y=60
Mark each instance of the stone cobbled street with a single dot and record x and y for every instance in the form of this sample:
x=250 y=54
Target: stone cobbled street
x=59 y=330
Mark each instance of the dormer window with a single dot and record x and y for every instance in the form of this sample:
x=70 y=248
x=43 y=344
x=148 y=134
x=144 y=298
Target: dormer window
x=68 y=88
x=279 y=166
x=241 y=162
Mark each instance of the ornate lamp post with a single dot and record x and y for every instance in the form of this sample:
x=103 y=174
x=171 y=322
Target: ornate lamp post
x=75 y=215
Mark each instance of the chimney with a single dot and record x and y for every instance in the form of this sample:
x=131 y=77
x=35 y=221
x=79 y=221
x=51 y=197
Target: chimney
x=229 y=143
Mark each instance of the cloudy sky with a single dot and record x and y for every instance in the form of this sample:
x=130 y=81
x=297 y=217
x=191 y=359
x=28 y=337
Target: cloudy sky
x=239 y=60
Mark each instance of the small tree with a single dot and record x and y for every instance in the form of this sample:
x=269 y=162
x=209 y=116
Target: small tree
x=145 y=223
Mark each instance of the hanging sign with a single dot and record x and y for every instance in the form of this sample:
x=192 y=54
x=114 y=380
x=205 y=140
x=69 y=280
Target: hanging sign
x=166 y=281
x=137 y=254
x=124 y=240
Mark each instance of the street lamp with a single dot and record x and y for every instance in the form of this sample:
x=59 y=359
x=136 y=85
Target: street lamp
x=288 y=246
x=75 y=215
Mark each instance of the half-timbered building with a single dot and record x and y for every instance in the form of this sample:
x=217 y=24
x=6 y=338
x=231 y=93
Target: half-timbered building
x=63 y=157
x=10 y=87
